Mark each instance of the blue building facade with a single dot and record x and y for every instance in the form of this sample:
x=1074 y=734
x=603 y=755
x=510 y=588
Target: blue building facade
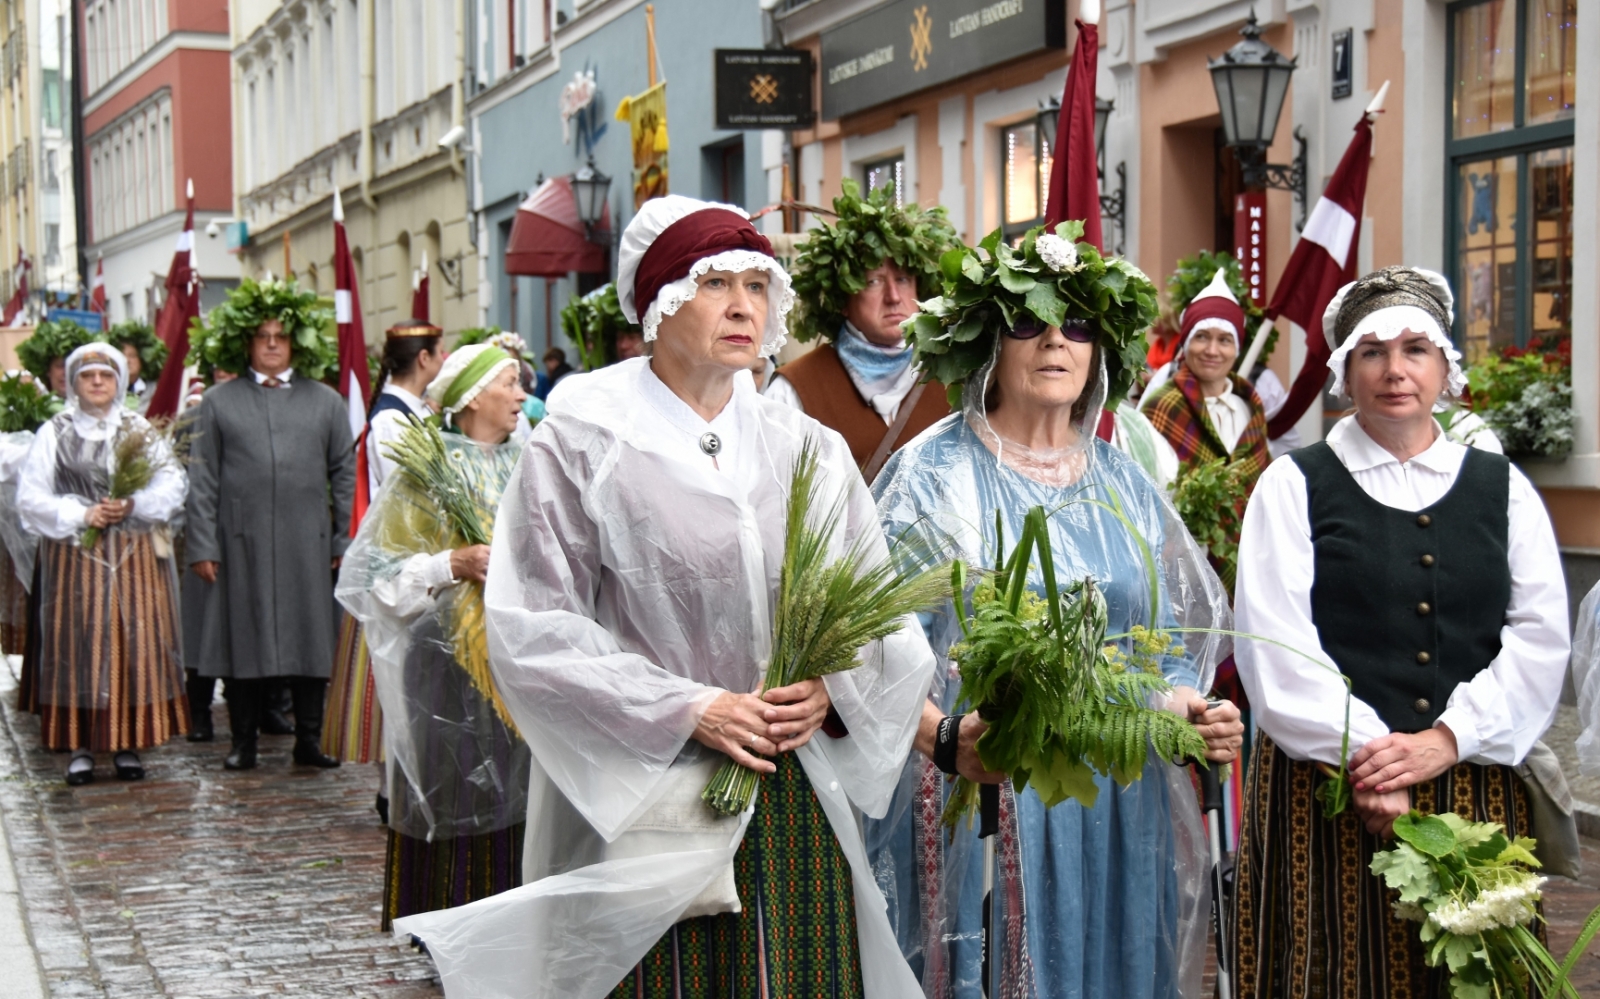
x=522 y=53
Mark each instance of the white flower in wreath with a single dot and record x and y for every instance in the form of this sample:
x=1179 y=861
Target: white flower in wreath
x=1060 y=255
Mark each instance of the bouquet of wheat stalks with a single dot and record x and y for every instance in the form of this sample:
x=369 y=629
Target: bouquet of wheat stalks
x=134 y=460
x=421 y=455
x=826 y=609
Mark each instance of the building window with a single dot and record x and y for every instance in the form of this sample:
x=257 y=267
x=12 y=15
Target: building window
x=1512 y=78
x=887 y=171
x=1024 y=178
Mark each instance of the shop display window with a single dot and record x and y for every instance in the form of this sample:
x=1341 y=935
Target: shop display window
x=1509 y=142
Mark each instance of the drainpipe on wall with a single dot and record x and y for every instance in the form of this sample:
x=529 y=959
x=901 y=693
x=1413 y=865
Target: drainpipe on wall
x=369 y=86
x=458 y=96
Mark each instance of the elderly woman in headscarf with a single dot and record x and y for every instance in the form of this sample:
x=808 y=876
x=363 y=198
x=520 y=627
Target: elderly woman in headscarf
x=110 y=666
x=631 y=586
x=1089 y=901
x=1425 y=572
x=456 y=812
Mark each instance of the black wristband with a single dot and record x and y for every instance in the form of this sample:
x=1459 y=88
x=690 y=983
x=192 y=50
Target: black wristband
x=946 y=740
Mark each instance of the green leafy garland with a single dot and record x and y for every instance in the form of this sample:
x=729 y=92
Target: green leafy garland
x=475 y=334
x=152 y=351
x=222 y=338
x=1195 y=273
x=1209 y=496
x=832 y=264
x=985 y=294
x=592 y=323
x=51 y=339
x=25 y=404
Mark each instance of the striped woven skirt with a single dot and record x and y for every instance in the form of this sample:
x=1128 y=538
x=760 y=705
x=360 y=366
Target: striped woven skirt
x=423 y=877
x=110 y=668
x=352 y=728
x=795 y=936
x=1310 y=919
x=13 y=608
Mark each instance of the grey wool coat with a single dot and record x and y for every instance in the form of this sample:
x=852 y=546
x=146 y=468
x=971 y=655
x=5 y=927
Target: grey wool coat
x=271 y=482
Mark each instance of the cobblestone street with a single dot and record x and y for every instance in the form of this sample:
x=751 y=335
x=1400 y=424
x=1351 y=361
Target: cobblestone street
x=197 y=882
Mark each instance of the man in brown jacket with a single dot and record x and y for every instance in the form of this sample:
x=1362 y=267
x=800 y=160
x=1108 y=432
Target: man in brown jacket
x=860 y=380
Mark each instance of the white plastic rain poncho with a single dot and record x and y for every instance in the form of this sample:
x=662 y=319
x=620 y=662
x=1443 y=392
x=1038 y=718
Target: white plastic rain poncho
x=1103 y=901
x=18 y=545
x=632 y=579
x=464 y=770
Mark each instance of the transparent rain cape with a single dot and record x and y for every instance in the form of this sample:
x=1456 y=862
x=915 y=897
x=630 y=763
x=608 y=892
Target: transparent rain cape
x=1586 y=680
x=464 y=768
x=113 y=605
x=632 y=577
x=1105 y=901
x=20 y=546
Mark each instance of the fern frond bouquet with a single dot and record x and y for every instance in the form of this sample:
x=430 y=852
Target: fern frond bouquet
x=1061 y=704
x=827 y=609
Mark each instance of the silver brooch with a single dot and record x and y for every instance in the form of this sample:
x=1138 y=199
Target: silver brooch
x=710 y=443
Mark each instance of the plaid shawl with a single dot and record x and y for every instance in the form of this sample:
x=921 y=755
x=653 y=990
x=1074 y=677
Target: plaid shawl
x=1178 y=411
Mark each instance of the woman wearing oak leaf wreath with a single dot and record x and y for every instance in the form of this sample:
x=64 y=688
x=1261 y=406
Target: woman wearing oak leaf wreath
x=1427 y=573
x=1099 y=901
x=631 y=583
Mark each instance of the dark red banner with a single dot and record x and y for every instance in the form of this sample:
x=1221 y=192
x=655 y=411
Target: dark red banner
x=1250 y=241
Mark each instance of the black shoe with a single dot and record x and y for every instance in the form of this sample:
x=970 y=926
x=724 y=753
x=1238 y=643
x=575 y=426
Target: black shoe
x=383 y=809
x=309 y=754
x=243 y=756
x=203 y=735
x=128 y=766
x=275 y=722
x=81 y=770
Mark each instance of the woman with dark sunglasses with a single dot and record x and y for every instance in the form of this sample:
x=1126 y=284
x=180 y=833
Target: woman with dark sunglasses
x=1090 y=901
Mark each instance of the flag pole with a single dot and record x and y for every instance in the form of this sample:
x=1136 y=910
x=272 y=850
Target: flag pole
x=650 y=39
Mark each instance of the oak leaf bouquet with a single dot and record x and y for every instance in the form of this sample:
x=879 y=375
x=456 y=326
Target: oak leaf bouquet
x=826 y=609
x=1474 y=890
x=1062 y=705
x=422 y=456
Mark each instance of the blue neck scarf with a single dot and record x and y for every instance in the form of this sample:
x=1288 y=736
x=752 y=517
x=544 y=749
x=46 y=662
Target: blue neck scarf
x=874 y=369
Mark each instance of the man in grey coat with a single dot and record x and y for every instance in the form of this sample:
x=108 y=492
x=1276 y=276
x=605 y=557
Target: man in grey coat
x=271 y=483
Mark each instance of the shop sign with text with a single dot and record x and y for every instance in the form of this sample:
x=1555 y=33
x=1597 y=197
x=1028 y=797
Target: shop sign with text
x=908 y=45
x=764 y=88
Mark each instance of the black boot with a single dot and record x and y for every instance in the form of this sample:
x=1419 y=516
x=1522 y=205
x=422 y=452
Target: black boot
x=275 y=718
x=244 y=716
x=200 y=690
x=309 y=693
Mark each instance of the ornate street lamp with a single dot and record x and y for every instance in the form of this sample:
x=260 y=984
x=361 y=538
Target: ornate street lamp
x=589 y=190
x=1113 y=206
x=1251 y=80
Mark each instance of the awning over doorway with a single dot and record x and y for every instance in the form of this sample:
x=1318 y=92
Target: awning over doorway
x=547 y=237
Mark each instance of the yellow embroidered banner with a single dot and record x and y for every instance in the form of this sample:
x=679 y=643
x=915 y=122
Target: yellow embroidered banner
x=646 y=115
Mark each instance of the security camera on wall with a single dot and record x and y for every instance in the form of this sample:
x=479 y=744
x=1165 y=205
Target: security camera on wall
x=453 y=138
x=213 y=230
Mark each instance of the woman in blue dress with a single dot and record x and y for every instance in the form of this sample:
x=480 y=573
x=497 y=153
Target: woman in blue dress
x=1089 y=902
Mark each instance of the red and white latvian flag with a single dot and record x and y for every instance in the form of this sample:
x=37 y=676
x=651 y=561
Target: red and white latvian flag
x=419 y=290
x=354 y=383
x=19 y=297
x=97 y=288
x=1323 y=262
x=181 y=307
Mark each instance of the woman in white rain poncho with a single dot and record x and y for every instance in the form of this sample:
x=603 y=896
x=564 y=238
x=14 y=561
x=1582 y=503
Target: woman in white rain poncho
x=1092 y=902
x=457 y=807
x=631 y=587
x=110 y=655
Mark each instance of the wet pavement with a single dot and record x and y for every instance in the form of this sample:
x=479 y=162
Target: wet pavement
x=196 y=882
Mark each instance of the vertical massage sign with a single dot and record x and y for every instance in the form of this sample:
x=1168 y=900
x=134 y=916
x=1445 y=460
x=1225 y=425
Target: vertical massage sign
x=913 y=44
